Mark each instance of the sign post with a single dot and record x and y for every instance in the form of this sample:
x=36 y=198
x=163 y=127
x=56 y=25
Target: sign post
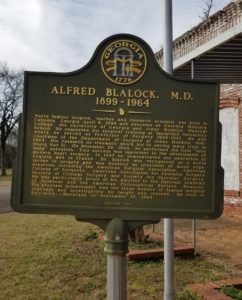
x=116 y=247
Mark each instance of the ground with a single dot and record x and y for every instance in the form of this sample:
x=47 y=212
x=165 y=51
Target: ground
x=219 y=240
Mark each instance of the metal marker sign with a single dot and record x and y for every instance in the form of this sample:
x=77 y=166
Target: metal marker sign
x=119 y=138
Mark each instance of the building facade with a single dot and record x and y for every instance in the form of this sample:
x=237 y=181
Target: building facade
x=212 y=50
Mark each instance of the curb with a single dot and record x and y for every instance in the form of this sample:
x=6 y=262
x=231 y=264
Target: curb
x=182 y=250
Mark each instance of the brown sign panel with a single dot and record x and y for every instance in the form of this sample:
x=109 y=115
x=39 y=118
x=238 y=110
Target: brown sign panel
x=119 y=138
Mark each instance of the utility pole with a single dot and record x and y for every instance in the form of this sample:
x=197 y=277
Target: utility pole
x=168 y=223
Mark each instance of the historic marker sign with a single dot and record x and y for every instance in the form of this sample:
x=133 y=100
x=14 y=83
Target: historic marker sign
x=119 y=138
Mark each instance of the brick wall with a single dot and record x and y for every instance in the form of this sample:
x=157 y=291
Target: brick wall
x=233 y=209
x=231 y=96
x=230 y=91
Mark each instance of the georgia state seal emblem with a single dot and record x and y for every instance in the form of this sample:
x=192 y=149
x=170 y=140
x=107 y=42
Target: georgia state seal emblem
x=123 y=62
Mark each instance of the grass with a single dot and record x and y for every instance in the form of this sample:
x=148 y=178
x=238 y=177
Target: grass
x=6 y=180
x=47 y=257
x=231 y=291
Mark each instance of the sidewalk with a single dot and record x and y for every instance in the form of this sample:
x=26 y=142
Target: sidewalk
x=5 y=199
x=219 y=240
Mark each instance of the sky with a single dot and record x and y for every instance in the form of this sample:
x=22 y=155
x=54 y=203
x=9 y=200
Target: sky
x=62 y=35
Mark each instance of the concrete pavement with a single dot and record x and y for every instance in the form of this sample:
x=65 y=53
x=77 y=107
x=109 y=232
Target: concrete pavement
x=5 y=199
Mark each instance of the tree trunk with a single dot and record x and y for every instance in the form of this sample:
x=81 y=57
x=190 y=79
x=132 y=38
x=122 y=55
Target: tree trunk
x=138 y=235
x=3 y=166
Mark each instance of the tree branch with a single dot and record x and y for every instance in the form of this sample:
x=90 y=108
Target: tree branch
x=11 y=91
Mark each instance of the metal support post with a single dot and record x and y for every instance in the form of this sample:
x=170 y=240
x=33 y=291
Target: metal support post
x=193 y=221
x=168 y=260
x=192 y=69
x=194 y=244
x=167 y=36
x=116 y=247
x=168 y=223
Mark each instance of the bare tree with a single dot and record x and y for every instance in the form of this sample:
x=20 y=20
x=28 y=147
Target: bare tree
x=11 y=92
x=206 y=9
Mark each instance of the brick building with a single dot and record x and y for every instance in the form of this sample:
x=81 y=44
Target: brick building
x=212 y=50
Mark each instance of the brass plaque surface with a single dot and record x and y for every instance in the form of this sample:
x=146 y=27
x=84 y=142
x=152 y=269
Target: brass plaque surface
x=119 y=138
